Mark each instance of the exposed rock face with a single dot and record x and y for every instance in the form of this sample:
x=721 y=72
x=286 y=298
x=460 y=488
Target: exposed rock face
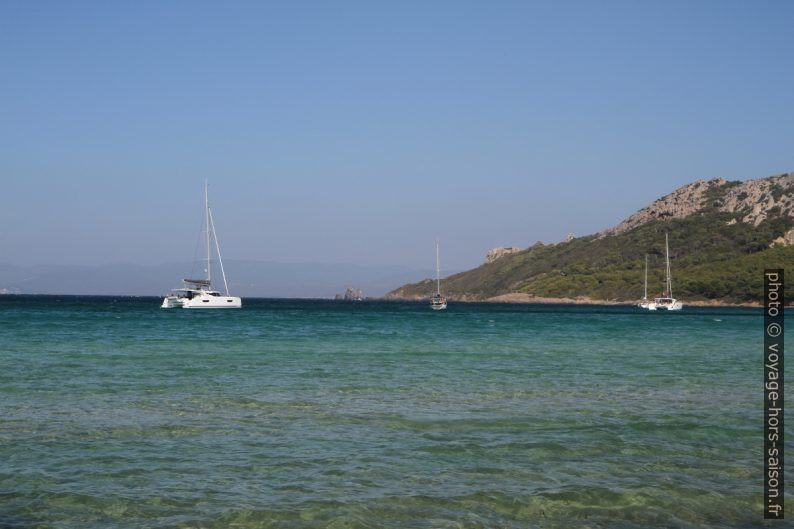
x=681 y=203
x=754 y=199
x=500 y=251
x=786 y=240
x=354 y=294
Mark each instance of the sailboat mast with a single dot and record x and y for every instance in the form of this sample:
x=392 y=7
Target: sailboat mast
x=645 y=294
x=207 y=222
x=667 y=253
x=438 y=271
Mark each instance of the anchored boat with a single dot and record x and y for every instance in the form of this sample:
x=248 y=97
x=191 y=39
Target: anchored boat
x=666 y=301
x=437 y=301
x=198 y=293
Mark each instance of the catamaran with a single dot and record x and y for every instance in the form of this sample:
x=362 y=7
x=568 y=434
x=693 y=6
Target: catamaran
x=198 y=293
x=437 y=301
x=666 y=301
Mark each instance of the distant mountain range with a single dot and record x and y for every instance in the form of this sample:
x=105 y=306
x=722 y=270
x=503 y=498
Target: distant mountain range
x=722 y=235
x=246 y=278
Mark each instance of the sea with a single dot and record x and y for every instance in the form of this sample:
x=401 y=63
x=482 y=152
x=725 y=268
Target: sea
x=115 y=413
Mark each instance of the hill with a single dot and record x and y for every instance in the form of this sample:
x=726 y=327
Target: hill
x=722 y=235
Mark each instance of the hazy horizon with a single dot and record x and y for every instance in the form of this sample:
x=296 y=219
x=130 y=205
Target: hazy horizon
x=266 y=279
x=361 y=133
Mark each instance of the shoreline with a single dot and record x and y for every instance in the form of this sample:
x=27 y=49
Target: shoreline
x=523 y=298
x=518 y=297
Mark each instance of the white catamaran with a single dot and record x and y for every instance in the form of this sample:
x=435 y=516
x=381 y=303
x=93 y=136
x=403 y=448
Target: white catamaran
x=198 y=293
x=437 y=301
x=666 y=301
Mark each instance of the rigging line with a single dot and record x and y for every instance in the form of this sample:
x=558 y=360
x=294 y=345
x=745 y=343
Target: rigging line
x=218 y=248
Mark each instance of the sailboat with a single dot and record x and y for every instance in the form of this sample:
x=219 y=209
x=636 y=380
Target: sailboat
x=437 y=301
x=198 y=293
x=666 y=301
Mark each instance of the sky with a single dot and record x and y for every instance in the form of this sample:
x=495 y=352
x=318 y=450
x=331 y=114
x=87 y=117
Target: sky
x=362 y=131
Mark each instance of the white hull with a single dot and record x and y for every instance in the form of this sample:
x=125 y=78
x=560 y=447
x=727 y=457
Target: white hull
x=674 y=305
x=213 y=302
x=203 y=300
x=438 y=306
x=170 y=302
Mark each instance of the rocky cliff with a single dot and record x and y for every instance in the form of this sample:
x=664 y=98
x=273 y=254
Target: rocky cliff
x=500 y=251
x=753 y=200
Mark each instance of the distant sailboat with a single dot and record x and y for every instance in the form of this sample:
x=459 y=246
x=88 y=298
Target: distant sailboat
x=666 y=301
x=438 y=302
x=198 y=293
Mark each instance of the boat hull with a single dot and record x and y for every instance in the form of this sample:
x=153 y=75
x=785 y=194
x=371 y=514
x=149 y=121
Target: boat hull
x=171 y=302
x=669 y=306
x=203 y=302
x=220 y=302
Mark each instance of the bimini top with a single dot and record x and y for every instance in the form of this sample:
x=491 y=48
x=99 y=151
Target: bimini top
x=198 y=282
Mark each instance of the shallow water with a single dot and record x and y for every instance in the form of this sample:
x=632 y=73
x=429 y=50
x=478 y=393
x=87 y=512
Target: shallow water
x=115 y=413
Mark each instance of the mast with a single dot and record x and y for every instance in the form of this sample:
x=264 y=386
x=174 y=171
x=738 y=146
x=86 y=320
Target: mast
x=438 y=271
x=667 y=253
x=645 y=295
x=207 y=219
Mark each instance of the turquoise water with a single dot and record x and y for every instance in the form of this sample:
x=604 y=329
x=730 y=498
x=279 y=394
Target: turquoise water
x=297 y=414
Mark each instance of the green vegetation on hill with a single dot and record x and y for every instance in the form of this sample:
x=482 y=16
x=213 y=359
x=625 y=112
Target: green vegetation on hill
x=713 y=255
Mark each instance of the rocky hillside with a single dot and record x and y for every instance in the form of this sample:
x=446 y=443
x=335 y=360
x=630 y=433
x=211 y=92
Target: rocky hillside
x=722 y=235
x=752 y=201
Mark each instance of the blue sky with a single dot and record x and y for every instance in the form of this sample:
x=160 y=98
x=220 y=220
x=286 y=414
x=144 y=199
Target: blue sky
x=361 y=131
